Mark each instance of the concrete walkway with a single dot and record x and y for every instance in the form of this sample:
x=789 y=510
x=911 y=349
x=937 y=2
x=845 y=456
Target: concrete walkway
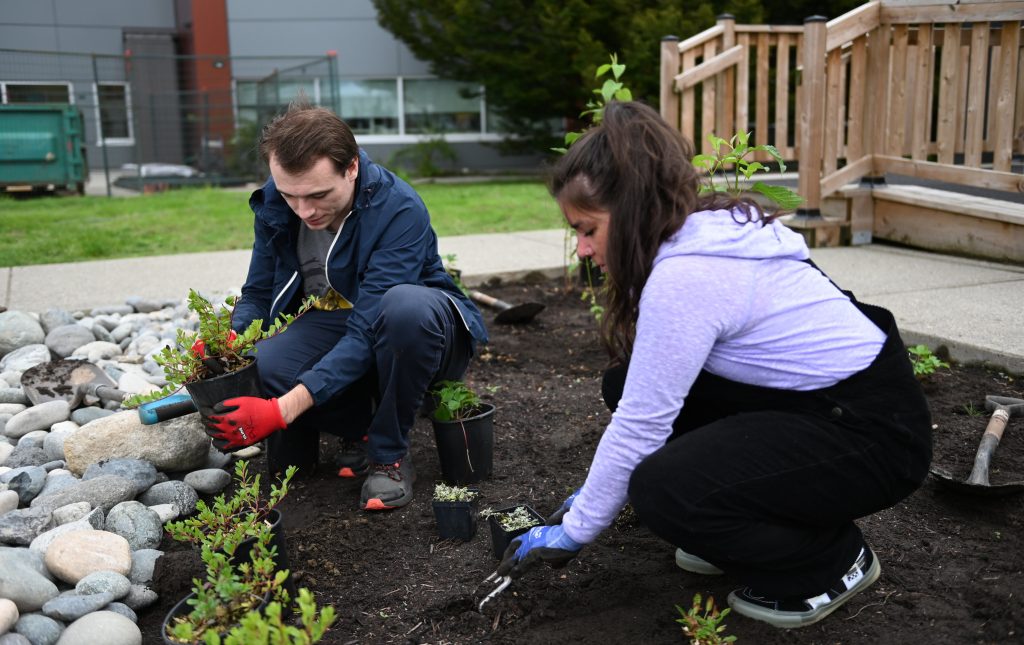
x=973 y=307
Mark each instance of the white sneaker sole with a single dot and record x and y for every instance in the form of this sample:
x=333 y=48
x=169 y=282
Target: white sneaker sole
x=793 y=619
x=693 y=564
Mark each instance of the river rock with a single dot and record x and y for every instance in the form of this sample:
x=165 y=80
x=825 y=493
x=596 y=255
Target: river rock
x=124 y=610
x=58 y=480
x=8 y=615
x=53 y=444
x=12 y=638
x=22 y=583
x=208 y=480
x=39 y=629
x=82 y=416
x=177 y=445
x=12 y=408
x=104 y=582
x=138 y=471
x=38 y=417
x=112 y=627
x=71 y=606
x=143 y=565
x=93 y=521
x=103 y=492
x=5 y=449
x=25 y=357
x=137 y=523
x=102 y=335
x=54 y=318
x=175 y=492
x=8 y=500
x=27 y=481
x=71 y=513
x=140 y=597
x=167 y=512
x=97 y=351
x=64 y=340
x=12 y=394
x=18 y=329
x=74 y=555
x=22 y=526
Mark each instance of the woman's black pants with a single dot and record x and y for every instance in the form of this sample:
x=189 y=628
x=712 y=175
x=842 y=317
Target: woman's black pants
x=766 y=483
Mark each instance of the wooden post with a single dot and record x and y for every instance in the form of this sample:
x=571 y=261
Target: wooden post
x=812 y=115
x=727 y=82
x=669 y=100
x=1002 y=139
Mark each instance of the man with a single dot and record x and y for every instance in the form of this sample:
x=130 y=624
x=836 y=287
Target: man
x=389 y=321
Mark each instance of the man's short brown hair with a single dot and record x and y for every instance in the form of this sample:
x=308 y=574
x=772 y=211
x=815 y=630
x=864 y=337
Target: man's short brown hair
x=304 y=134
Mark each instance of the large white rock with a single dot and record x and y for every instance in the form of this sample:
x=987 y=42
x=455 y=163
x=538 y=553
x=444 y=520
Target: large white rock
x=74 y=555
x=38 y=417
x=106 y=627
x=8 y=615
x=175 y=445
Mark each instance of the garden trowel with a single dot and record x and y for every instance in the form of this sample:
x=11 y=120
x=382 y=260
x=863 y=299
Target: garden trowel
x=508 y=313
x=1002 y=408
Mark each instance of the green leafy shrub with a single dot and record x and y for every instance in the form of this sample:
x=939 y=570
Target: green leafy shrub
x=924 y=361
x=268 y=628
x=702 y=623
x=454 y=401
x=732 y=154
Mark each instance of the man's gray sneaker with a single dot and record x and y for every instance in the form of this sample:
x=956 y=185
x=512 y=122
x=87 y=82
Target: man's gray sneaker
x=388 y=486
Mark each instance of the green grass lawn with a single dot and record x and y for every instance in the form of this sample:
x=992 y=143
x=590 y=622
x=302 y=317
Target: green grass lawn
x=72 y=229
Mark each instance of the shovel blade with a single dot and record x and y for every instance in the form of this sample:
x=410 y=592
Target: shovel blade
x=948 y=482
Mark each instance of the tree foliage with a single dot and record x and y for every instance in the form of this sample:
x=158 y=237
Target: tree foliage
x=537 y=58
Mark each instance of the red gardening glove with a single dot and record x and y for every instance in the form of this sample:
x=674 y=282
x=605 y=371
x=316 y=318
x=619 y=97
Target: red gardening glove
x=243 y=421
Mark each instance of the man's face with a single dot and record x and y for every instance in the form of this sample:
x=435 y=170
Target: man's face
x=320 y=196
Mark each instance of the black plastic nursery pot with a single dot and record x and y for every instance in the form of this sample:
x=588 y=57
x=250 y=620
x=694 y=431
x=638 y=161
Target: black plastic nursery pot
x=501 y=538
x=466 y=448
x=277 y=539
x=182 y=608
x=209 y=392
x=456 y=520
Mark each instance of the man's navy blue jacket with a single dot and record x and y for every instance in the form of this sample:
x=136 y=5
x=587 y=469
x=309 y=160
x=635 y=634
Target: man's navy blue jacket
x=387 y=240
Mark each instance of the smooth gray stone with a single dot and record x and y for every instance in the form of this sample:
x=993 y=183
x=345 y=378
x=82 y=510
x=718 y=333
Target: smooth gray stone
x=136 y=523
x=54 y=464
x=124 y=610
x=140 y=597
x=27 y=481
x=110 y=310
x=82 y=416
x=27 y=557
x=143 y=565
x=175 y=492
x=138 y=471
x=13 y=638
x=102 y=334
x=104 y=582
x=71 y=513
x=25 y=358
x=216 y=458
x=23 y=583
x=9 y=501
x=53 y=444
x=54 y=318
x=33 y=439
x=28 y=454
x=20 y=527
x=208 y=480
x=121 y=332
x=11 y=409
x=71 y=606
x=96 y=351
x=37 y=417
x=18 y=329
x=64 y=340
x=13 y=395
x=115 y=629
x=103 y=492
x=39 y=629
x=57 y=482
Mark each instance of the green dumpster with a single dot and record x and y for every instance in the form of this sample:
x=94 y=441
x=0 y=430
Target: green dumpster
x=42 y=148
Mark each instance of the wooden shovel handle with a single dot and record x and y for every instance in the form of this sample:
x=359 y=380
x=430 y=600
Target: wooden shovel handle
x=989 y=442
x=490 y=301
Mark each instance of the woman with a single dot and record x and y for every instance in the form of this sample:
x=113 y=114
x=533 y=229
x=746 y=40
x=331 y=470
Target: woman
x=757 y=409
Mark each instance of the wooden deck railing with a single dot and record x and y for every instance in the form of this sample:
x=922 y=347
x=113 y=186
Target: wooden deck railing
x=928 y=88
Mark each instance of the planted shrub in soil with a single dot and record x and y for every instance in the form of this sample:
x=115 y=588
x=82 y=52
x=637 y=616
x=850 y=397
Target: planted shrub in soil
x=950 y=565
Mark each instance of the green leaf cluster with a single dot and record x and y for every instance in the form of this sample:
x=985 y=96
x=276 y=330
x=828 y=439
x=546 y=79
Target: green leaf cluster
x=268 y=628
x=454 y=401
x=223 y=352
x=730 y=157
x=703 y=622
x=513 y=520
x=445 y=493
x=231 y=520
x=924 y=361
x=611 y=89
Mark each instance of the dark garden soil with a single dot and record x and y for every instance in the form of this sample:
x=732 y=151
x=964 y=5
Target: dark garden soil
x=951 y=565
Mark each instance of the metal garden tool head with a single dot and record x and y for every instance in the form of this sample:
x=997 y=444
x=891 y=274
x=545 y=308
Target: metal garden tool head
x=501 y=583
x=508 y=313
x=1002 y=408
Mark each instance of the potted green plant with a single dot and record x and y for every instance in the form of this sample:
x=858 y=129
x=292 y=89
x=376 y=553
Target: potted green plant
x=215 y=362
x=455 y=511
x=464 y=433
x=509 y=523
x=240 y=519
x=232 y=589
x=267 y=627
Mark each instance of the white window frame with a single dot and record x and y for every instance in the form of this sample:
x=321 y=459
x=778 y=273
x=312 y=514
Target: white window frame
x=114 y=141
x=67 y=84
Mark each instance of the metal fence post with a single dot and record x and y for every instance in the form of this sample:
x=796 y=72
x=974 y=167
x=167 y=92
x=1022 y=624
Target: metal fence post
x=99 y=120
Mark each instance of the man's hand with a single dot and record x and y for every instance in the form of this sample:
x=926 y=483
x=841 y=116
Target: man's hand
x=556 y=517
x=243 y=421
x=548 y=544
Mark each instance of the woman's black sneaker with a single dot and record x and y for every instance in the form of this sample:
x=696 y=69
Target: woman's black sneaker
x=797 y=612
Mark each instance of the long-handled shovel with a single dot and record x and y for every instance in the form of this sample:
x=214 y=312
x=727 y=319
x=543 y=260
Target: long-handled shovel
x=508 y=313
x=1002 y=408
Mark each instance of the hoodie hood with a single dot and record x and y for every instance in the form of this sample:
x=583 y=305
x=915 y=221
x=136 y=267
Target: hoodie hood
x=717 y=233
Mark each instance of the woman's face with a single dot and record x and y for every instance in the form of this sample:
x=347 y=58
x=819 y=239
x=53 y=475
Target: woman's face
x=591 y=232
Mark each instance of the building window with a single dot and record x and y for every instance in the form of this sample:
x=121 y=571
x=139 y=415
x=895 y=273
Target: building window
x=370 y=106
x=438 y=105
x=36 y=92
x=114 y=106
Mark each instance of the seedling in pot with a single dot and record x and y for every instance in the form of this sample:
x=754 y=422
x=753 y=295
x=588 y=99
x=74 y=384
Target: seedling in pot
x=509 y=523
x=445 y=493
x=455 y=511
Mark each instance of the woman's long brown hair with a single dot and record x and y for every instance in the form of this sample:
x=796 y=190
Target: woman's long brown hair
x=636 y=167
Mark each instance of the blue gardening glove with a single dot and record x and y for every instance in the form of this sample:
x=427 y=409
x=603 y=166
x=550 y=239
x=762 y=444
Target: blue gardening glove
x=556 y=517
x=548 y=544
